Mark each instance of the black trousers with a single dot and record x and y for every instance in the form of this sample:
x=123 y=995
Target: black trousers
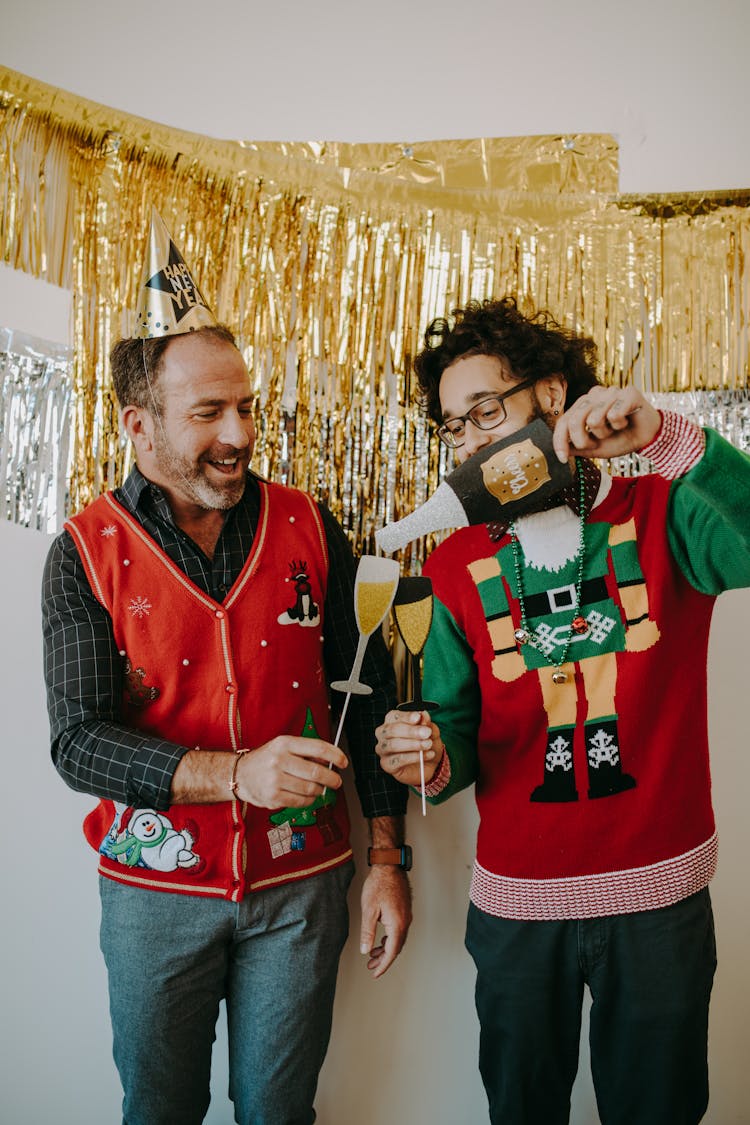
x=650 y=976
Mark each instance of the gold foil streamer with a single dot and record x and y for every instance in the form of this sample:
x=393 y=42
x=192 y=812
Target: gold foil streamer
x=329 y=260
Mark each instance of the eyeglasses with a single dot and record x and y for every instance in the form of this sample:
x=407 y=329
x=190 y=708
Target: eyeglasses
x=487 y=414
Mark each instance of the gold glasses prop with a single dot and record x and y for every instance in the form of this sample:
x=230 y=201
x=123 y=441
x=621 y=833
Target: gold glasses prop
x=374 y=587
x=412 y=608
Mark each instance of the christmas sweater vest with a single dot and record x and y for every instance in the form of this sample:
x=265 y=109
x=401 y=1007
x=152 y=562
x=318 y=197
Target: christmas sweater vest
x=593 y=793
x=217 y=676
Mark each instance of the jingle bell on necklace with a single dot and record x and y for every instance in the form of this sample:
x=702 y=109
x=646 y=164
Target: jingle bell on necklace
x=559 y=677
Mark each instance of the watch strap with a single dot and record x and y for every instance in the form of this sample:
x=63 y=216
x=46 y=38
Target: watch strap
x=392 y=857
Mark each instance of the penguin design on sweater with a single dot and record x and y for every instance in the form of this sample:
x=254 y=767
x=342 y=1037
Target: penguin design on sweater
x=304 y=612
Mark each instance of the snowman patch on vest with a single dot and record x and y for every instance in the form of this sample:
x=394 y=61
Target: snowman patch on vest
x=146 y=838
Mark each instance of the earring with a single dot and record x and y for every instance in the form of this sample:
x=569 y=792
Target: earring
x=555 y=412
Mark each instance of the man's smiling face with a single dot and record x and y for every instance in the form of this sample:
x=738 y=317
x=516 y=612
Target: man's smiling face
x=202 y=449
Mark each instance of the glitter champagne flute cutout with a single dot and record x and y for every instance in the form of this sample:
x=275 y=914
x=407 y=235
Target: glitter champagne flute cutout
x=412 y=608
x=374 y=587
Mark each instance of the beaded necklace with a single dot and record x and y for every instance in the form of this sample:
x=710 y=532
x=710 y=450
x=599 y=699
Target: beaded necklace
x=578 y=624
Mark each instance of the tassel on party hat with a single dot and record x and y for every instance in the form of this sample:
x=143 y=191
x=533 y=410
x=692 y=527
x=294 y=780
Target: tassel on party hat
x=169 y=302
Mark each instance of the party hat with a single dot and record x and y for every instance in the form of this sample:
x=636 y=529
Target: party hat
x=502 y=481
x=170 y=302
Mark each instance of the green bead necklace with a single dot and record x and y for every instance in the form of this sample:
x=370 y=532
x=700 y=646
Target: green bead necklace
x=578 y=624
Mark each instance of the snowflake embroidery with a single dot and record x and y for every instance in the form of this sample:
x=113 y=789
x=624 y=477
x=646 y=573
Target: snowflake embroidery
x=549 y=639
x=603 y=748
x=108 y=532
x=600 y=625
x=559 y=756
x=140 y=607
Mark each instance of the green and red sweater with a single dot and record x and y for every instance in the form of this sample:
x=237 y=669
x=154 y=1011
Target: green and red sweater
x=594 y=795
x=217 y=676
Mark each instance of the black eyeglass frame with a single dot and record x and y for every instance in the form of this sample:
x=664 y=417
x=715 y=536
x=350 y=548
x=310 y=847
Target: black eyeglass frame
x=446 y=435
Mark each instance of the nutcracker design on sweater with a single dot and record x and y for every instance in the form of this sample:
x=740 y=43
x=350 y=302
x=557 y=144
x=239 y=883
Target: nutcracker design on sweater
x=561 y=597
x=585 y=601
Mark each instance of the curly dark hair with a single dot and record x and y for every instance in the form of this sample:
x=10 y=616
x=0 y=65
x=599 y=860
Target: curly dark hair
x=129 y=359
x=532 y=347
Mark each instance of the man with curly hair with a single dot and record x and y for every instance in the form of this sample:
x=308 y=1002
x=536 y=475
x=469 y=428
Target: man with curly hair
x=563 y=647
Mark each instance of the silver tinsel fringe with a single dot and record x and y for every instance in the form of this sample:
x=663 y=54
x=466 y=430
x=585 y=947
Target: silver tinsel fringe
x=36 y=422
x=37 y=410
x=727 y=412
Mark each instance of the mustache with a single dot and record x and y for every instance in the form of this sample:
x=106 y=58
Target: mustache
x=225 y=453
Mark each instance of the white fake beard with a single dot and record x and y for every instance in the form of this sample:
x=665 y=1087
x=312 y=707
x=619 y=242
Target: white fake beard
x=550 y=539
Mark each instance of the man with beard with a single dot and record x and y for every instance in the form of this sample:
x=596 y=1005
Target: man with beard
x=183 y=695
x=564 y=646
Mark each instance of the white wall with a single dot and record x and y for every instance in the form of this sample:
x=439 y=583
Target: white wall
x=671 y=81
x=670 y=77
x=403 y=1048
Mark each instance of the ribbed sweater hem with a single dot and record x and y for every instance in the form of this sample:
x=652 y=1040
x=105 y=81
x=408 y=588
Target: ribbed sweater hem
x=594 y=896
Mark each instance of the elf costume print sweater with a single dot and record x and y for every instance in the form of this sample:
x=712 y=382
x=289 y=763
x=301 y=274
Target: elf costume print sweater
x=593 y=793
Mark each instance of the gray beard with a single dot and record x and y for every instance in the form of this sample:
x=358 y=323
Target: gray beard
x=192 y=480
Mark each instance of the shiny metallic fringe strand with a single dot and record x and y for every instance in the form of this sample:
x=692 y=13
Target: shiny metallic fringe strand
x=37 y=405
x=329 y=260
x=36 y=413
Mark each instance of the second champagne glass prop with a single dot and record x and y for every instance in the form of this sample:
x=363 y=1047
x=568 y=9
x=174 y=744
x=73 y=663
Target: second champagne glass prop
x=374 y=587
x=412 y=608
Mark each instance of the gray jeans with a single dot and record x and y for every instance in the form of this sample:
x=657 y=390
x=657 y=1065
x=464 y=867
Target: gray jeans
x=172 y=958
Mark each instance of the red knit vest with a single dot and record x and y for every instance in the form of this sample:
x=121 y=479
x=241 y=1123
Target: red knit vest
x=217 y=676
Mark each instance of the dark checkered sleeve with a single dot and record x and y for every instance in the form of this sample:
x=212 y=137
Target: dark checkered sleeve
x=91 y=748
x=378 y=793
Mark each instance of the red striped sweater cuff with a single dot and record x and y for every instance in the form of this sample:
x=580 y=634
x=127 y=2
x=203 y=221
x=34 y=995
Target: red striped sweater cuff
x=440 y=778
x=678 y=446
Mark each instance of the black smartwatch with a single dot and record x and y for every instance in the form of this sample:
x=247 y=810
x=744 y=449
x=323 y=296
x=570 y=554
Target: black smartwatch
x=392 y=857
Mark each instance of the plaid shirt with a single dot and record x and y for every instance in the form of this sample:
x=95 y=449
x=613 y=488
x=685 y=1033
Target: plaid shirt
x=94 y=751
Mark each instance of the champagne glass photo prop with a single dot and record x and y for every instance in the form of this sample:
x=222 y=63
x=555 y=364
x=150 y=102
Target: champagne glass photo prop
x=412 y=608
x=374 y=587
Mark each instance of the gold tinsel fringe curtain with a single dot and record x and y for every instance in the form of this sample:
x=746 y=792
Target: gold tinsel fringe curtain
x=330 y=260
